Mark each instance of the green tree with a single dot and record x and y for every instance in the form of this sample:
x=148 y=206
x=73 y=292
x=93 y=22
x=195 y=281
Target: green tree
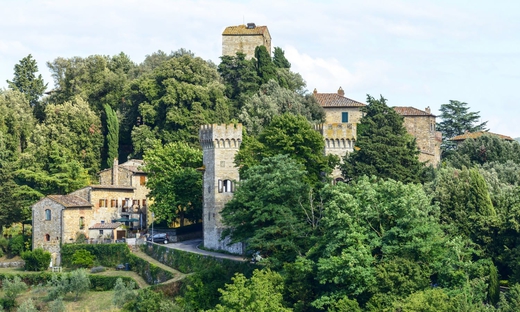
x=273 y=100
x=383 y=147
x=123 y=293
x=176 y=98
x=26 y=81
x=27 y=306
x=12 y=289
x=264 y=64
x=79 y=282
x=263 y=293
x=279 y=59
x=174 y=182
x=273 y=210
x=456 y=120
x=292 y=135
x=57 y=305
x=494 y=286
x=484 y=149
x=112 y=136
x=83 y=259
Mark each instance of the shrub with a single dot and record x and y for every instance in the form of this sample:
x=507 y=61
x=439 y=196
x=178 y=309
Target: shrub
x=97 y=269
x=36 y=260
x=81 y=238
x=58 y=286
x=83 y=259
x=15 y=245
x=11 y=290
x=123 y=292
x=4 y=243
x=107 y=255
x=79 y=282
x=57 y=305
x=27 y=306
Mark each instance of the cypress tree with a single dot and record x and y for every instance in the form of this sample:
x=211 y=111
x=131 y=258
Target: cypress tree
x=112 y=137
x=383 y=147
x=264 y=64
x=494 y=286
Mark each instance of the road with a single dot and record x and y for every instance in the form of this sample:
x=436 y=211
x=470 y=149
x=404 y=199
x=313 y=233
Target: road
x=193 y=246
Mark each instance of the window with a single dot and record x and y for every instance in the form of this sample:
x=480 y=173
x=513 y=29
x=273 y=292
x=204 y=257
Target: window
x=144 y=202
x=142 y=180
x=102 y=203
x=47 y=238
x=100 y=232
x=113 y=203
x=225 y=186
x=81 y=223
x=344 y=117
x=47 y=214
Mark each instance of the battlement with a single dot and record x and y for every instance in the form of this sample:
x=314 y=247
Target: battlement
x=337 y=131
x=221 y=135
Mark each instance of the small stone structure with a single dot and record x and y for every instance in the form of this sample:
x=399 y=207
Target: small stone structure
x=220 y=143
x=245 y=38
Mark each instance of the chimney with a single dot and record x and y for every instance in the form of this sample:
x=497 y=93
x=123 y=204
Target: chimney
x=115 y=172
x=341 y=92
x=427 y=109
x=315 y=91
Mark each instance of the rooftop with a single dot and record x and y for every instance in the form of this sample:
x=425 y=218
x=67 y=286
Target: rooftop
x=104 y=226
x=335 y=99
x=412 y=111
x=474 y=135
x=70 y=201
x=244 y=30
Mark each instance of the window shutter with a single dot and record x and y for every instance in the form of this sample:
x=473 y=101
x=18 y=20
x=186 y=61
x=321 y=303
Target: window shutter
x=344 y=117
x=220 y=186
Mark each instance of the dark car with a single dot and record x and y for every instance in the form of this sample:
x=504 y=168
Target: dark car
x=159 y=238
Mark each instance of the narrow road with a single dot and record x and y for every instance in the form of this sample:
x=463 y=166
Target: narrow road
x=193 y=246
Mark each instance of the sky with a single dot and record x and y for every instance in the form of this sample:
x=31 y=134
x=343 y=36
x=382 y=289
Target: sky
x=420 y=53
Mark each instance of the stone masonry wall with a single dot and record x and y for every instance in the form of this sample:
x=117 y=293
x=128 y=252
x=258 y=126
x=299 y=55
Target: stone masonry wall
x=71 y=223
x=423 y=129
x=339 y=140
x=219 y=143
x=246 y=44
x=333 y=114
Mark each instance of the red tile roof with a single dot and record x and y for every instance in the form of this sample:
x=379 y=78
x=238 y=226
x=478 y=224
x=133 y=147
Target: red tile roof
x=474 y=135
x=243 y=30
x=104 y=226
x=411 y=111
x=70 y=201
x=336 y=100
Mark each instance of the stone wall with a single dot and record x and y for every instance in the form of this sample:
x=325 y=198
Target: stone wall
x=231 y=44
x=43 y=227
x=423 y=129
x=339 y=140
x=220 y=143
x=71 y=223
x=333 y=114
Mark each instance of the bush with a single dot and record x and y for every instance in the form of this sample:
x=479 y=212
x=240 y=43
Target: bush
x=107 y=255
x=79 y=282
x=36 y=260
x=27 y=306
x=123 y=292
x=4 y=243
x=83 y=259
x=12 y=288
x=15 y=245
x=97 y=269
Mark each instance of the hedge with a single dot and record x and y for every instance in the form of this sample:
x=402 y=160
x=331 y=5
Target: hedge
x=151 y=273
x=108 y=255
x=97 y=282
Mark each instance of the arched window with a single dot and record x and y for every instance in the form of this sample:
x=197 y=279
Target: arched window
x=81 y=223
x=47 y=214
x=225 y=186
x=339 y=180
x=47 y=238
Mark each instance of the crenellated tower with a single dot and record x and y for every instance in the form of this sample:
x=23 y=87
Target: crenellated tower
x=220 y=143
x=339 y=140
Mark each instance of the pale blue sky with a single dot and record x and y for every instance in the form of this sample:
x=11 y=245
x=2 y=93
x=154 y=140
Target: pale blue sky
x=415 y=53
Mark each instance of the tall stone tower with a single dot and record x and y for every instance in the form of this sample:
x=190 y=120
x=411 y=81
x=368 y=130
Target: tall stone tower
x=220 y=143
x=245 y=38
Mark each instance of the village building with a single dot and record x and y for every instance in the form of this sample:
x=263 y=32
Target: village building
x=245 y=39
x=106 y=212
x=459 y=139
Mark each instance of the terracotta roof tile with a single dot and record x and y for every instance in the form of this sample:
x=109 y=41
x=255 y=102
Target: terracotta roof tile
x=411 y=111
x=102 y=226
x=243 y=30
x=336 y=100
x=474 y=135
x=70 y=201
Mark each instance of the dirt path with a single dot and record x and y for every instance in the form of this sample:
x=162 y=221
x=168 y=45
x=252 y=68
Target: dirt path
x=177 y=275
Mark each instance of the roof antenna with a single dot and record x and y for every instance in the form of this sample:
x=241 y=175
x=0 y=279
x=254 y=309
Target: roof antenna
x=243 y=20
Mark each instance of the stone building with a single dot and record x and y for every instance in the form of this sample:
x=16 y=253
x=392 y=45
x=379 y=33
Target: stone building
x=421 y=125
x=121 y=199
x=245 y=38
x=220 y=143
x=459 y=139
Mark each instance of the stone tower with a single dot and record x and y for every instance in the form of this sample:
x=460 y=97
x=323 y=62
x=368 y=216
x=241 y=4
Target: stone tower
x=339 y=140
x=245 y=38
x=220 y=143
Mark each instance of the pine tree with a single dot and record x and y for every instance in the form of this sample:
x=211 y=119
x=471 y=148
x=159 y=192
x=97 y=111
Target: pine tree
x=383 y=147
x=25 y=80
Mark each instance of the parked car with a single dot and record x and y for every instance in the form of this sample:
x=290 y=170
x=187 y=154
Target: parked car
x=159 y=238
